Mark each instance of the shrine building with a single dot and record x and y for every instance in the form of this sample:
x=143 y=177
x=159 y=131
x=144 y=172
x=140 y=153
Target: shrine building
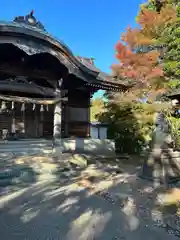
x=45 y=90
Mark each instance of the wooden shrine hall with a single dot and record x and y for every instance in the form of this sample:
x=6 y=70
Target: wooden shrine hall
x=45 y=90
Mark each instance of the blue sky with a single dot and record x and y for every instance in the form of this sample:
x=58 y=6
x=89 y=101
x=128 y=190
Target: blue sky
x=90 y=28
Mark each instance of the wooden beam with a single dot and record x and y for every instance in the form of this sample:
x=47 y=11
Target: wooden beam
x=31 y=100
x=26 y=88
x=20 y=71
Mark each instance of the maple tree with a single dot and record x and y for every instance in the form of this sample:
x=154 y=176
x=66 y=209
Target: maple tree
x=139 y=53
x=171 y=38
x=142 y=61
x=168 y=39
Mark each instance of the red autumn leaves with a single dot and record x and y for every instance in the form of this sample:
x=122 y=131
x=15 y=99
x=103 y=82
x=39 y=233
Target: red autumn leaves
x=137 y=60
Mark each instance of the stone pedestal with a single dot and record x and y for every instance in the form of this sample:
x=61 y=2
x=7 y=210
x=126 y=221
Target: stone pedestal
x=162 y=166
x=163 y=163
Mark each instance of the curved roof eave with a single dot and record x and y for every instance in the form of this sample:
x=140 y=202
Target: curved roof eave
x=25 y=29
x=90 y=72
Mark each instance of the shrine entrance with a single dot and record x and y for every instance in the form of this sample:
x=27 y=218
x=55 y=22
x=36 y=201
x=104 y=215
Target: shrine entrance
x=45 y=90
x=26 y=120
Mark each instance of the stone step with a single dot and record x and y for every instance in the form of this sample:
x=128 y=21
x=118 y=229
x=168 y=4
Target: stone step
x=27 y=150
x=24 y=146
x=22 y=152
x=26 y=142
x=7 y=146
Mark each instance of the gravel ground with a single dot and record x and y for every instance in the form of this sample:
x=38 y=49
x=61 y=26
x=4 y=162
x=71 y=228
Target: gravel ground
x=107 y=203
x=47 y=211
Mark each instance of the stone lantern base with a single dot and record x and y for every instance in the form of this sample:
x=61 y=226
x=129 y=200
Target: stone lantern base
x=162 y=165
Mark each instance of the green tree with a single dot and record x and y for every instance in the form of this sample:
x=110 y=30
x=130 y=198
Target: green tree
x=168 y=40
x=171 y=39
x=139 y=51
x=130 y=124
x=97 y=106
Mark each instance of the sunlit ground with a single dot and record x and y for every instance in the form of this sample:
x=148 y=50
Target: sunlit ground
x=102 y=200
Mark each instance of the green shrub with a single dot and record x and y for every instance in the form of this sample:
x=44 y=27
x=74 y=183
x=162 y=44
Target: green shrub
x=130 y=125
x=175 y=128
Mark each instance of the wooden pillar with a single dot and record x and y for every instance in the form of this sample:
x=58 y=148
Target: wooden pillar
x=40 y=122
x=13 y=125
x=57 y=122
x=66 y=120
x=23 y=117
x=13 y=122
x=79 y=113
x=88 y=117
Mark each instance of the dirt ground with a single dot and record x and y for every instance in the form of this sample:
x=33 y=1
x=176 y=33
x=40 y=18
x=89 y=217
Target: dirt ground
x=114 y=182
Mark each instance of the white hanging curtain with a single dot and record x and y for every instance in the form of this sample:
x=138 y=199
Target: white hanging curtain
x=12 y=105
x=34 y=106
x=23 y=107
x=3 y=105
x=42 y=108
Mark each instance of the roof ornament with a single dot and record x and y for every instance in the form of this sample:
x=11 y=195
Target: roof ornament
x=29 y=20
x=89 y=60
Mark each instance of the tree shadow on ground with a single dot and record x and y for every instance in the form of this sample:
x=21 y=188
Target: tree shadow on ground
x=162 y=168
x=14 y=173
x=58 y=209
